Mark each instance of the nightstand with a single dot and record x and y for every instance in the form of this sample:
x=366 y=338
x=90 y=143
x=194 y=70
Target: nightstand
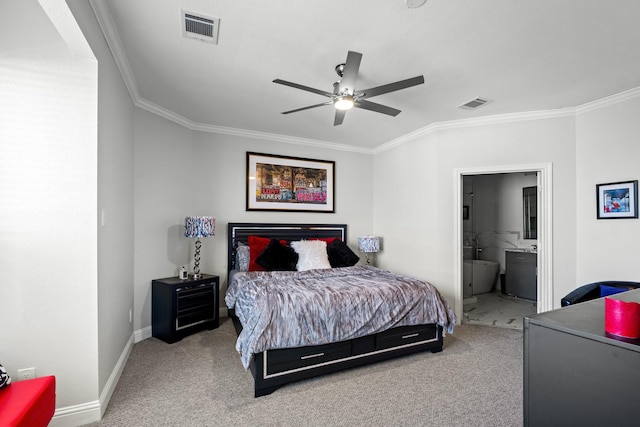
x=182 y=307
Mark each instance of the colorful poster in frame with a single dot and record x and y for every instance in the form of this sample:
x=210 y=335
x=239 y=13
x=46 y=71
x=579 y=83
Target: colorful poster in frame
x=284 y=183
x=617 y=200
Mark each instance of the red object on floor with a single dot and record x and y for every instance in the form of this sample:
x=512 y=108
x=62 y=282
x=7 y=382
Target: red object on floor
x=28 y=403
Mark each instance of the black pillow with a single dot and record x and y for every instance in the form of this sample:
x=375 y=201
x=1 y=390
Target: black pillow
x=340 y=255
x=5 y=379
x=278 y=257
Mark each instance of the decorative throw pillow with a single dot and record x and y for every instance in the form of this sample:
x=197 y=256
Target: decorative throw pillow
x=5 y=379
x=325 y=239
x=242 y=257
x=611 y=290
x=340 y=255
x=278 y=257
x=312 y=254
x=257 y=245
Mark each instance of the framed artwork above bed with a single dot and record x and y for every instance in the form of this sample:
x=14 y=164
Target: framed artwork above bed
x=283 y=183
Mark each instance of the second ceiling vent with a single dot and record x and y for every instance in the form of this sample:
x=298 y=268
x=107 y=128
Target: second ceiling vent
x=474 y=103
x=198 y=26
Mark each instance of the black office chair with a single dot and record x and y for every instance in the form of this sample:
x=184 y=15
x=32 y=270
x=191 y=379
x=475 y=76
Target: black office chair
x=596 y=290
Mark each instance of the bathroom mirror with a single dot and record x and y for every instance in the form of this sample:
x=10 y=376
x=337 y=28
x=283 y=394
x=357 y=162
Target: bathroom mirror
x=530 y=212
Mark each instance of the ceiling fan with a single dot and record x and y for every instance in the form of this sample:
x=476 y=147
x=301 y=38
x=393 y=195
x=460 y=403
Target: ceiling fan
x=345 y=96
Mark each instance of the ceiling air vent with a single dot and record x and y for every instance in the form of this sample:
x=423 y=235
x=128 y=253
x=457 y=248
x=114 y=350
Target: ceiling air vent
x=474 y=103
x=198 y=26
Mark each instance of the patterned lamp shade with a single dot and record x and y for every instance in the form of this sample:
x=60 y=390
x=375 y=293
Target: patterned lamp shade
x=199 y=226
x=369 y=244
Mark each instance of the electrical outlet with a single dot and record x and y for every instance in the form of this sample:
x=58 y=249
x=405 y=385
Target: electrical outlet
x=26 y=374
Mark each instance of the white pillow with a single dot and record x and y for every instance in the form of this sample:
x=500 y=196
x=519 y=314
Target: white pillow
x=312 y=254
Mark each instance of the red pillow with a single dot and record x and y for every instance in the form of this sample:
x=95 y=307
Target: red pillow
x=326 y=239
x=257 y=245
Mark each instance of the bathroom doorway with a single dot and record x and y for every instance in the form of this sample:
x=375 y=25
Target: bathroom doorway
x=489 y=232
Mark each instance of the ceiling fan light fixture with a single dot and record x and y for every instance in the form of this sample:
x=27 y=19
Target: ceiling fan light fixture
x=344 y=102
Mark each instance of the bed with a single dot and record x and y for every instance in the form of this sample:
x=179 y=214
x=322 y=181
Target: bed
x=284 y=337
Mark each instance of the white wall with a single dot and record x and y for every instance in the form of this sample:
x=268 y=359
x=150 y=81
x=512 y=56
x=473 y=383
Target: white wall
x=179 y=172
x=115 y=207
x=414 y=196
x=608 y=150
x=48 y=180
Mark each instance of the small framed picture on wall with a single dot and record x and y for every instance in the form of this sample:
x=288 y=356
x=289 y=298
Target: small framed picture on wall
x=617 y=200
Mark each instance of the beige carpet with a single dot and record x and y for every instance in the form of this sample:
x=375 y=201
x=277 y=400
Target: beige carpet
x=199 y=381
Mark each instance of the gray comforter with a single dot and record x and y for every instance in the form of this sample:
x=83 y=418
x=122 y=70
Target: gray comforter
x=282 y=309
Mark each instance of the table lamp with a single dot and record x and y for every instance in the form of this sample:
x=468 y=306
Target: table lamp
x=197 y=227
x=369 y=245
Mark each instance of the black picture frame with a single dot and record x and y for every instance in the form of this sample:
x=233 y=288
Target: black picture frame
x=286 y=183
x=617 y=200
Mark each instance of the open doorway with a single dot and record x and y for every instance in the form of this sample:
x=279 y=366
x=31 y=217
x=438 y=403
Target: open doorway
x=502 y=240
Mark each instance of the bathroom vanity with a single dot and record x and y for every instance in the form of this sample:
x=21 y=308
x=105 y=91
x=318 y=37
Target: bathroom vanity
x=521 y=276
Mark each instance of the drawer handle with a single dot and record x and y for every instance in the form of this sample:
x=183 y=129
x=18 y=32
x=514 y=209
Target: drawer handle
x=311 y=356
x=404 y=337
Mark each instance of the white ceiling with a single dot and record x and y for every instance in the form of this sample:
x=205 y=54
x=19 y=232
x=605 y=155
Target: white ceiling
x=525 y=56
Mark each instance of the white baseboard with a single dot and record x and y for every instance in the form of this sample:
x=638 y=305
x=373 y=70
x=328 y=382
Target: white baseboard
x=142 y=334
x=90 y=412
x=112 y=382
x=85 y=413
x=76 y=415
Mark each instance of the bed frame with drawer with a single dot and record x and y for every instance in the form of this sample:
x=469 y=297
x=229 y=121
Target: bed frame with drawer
x=273 y=368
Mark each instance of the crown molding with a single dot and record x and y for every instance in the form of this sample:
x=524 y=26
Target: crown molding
x=183 y=121
x=478 y=121
x=608 y=101
x=105 y=20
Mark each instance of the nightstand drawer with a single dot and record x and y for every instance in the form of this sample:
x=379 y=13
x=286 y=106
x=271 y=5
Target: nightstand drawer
x=195 y=317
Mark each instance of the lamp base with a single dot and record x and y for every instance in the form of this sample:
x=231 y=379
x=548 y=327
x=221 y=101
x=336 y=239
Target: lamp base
x=371 y=258
x=196 y=276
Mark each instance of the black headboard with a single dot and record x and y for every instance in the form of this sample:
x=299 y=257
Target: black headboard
x=240 y=232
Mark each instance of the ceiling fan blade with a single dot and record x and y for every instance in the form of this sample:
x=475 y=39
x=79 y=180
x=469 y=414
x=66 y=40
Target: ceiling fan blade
x=339 y=117
x=307 y=108
x=350 y=73
x=378 y=108
x=302 y=87
x=392 y=87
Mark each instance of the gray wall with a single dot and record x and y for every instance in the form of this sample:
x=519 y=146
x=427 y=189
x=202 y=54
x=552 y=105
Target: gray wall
x=597 y=144
x=115 y=205
x=76 y=146
x=180 y=172
x=418 y=227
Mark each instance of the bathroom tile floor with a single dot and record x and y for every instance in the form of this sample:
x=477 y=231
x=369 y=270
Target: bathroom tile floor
x=497 y=309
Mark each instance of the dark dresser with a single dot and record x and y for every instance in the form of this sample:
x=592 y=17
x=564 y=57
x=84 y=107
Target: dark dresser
x=576 y=375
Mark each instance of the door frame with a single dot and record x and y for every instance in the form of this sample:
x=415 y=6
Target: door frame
x=545 y=229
